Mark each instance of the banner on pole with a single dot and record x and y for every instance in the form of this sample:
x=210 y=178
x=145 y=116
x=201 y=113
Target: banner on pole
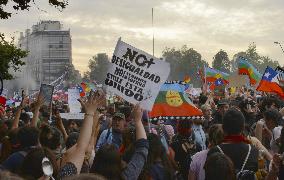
x=135 y=75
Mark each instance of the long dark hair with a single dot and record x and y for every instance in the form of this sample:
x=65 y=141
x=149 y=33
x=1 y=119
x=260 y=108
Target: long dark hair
x=157 y=154
x=107 y=163
x=31 y=167
x=219 y=166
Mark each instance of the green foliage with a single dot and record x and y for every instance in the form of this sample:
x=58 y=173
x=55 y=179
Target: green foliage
x=26 y=4
x=98 y=66
x=221 y=62
x=184 y=61
x=258 y=61
x=10 y=57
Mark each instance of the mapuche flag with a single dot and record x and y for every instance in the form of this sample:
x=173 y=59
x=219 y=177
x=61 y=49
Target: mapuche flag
x=172 y=102
x=270 y=82
x=212 y=75
x=245 y=68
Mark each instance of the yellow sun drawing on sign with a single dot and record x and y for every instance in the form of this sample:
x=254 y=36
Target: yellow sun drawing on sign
x=173 y=98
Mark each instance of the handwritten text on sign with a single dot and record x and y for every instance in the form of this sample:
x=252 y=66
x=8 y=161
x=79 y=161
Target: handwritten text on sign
x=135 y=75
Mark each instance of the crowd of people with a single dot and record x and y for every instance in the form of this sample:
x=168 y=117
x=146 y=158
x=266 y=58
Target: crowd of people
x=240 y=137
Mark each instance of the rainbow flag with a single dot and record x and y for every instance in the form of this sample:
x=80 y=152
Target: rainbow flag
x=172 y=102
x=245 y=68
x=212 y=75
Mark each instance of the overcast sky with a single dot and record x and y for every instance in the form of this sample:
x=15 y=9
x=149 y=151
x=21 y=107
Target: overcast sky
x=205 y=25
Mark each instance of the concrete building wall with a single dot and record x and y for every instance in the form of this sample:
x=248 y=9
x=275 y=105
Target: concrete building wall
x=50 y=51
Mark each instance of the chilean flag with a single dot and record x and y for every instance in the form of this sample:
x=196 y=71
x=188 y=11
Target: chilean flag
x=270 y=82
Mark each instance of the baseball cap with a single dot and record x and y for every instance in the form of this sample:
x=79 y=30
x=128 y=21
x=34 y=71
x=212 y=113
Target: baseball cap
x=119 y=115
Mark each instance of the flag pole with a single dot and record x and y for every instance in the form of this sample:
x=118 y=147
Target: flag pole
x=205 y=81
x=153 y=31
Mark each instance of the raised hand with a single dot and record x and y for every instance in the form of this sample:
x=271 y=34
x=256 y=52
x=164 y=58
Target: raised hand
x=40 y=101
x=24 y=99
x=94 y=101
x=137 y=113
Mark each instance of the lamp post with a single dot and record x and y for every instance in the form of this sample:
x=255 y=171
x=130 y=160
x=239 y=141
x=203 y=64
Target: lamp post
x=276 y=42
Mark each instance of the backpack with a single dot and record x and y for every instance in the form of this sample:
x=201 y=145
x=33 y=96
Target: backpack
x=243 y=174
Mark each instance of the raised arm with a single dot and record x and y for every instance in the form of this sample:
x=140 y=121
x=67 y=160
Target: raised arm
x=38 y=104
x=60 y=125
x=76 y=156
x=15 y=124
x=139 y=157
x=95 y=132
x=140 y=131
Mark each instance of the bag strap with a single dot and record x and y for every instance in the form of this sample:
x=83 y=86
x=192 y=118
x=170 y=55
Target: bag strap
x=244 y=164
x=220 y=149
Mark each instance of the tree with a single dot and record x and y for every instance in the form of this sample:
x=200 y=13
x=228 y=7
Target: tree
x=98 y=66
x=185 y=61
x=258 y=61
x=221 y=62
x=20 y=5
x=10 y=57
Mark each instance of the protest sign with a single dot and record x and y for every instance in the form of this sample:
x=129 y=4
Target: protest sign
x=72 y=115
x=135 y=75
x=74 y=104
x=46 y=91
x=236 y=80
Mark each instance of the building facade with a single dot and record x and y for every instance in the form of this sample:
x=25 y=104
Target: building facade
x=50 y=52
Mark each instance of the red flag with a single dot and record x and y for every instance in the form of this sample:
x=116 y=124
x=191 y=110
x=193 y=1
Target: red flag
x=270 y=82
x=2 y=100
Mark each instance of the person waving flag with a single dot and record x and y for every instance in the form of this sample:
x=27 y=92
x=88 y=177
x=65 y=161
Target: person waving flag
x=270 y=82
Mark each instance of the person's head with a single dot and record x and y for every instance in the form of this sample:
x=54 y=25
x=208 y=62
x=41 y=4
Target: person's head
x=157 y=152
x=223 y=106
x=72 y=139
x=269 y=103
x=216 y=135
x=25 y=118
x=32 y=165
x=118 y=122
x=272 y=118
x=219 y=166
x=28 y=137
x=156 y=148
x=207 y=111
x=107 y=162
x=233 y=122
x=184 y=127
x=72 y=126
x=248 y=106
x=50 y=137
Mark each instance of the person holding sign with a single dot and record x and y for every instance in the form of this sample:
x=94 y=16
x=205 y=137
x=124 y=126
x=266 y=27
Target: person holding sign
x=107 y=161
x=113 y=135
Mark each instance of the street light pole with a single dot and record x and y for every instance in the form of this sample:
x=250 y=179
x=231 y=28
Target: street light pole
x=279 y=45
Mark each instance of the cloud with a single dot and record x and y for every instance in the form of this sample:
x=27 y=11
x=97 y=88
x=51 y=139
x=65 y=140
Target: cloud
x=205 y=25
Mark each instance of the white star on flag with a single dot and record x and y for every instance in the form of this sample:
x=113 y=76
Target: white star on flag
x=267 y=75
